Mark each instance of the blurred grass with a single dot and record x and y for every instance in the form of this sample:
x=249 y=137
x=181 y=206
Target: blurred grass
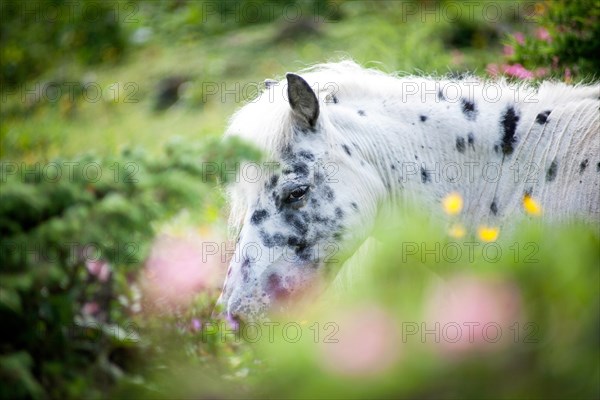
x=545 y=303
x=376 y=34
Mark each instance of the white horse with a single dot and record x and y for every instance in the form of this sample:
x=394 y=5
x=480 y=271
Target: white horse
x=348 y=142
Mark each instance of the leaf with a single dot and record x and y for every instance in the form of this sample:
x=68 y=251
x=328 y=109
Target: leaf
x=17 y=368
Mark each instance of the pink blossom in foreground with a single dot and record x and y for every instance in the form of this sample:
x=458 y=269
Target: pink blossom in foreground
x=474 y=314
x=367 y=343
x=99 y=269
x=177 y=270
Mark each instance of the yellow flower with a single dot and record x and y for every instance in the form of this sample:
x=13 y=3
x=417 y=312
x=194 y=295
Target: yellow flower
x=457 y=231
x=488 y=234
x=452 y=203
x=531 y=206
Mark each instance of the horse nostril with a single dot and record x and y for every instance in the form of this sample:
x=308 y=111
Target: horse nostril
x=275 y=287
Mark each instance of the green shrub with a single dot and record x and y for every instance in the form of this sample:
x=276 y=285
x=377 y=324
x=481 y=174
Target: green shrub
x=565 y=43
x=36 y=35
x=537 y=289
x=49 y=223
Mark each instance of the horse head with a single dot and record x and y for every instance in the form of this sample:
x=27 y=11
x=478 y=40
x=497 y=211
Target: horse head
x=300 y=215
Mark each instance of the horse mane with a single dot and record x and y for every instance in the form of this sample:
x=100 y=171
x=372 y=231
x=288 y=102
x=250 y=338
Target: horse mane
x=265 y=120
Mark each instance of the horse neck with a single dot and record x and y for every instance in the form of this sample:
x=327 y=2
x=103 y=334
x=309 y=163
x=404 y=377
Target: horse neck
x=415 y=143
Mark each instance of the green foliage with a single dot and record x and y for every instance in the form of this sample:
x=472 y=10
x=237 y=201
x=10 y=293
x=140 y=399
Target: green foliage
x=543 y=281
x=36 y=35
x=206 y=17
x=58 y=230
x=566 y=42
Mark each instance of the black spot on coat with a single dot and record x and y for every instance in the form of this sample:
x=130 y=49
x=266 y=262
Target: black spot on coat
x=583 y=166
x=468 y=109
x=494 y=207
x=551 y=173
x=304 y=253
x=276 y=239
x=471 y=140
x=300 y=169
x=347 y=150
x=329 y=195
x=460 y=144
x=273 y=181
x=258 y=216
x=423 y=118
x=245 y=268
x=542 y=117
x=361 y=113
x=307 y=155
x=441 y=96
x=509 y=126
x=424 y=176
x=298 y=221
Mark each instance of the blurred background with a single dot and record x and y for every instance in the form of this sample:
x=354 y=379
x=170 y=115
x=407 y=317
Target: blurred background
x=98 y=76
x=132 y=96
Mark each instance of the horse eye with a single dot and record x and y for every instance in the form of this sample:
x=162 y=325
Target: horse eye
x=297 y=194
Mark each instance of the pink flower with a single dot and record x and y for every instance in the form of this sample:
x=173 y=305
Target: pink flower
x=508 y=50
x=177 y=269
x=543 y=34
x=520 y=38
x=473 y=314
x=366 y=343
x=196 y=324
x=98 y=268
x=518 y=71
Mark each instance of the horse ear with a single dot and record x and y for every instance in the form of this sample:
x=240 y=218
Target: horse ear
x=303 y=100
